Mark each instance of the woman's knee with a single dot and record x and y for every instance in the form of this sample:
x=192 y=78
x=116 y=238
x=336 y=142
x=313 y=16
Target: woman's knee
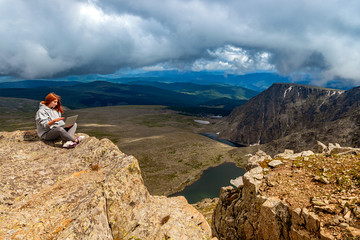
x=60 y=129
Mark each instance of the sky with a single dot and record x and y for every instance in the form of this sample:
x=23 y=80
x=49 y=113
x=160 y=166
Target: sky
x=45 y=39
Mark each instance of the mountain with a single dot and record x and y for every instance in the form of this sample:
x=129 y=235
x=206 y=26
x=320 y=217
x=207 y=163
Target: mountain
x=296 y=116
x=36 y=83
x=101 y=93
x=183 y=96
x=255 y=81
x=213 y=91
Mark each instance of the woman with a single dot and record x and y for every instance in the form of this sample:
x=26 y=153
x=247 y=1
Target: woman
x=50 y=124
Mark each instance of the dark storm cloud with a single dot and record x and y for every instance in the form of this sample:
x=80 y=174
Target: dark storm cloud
x=42 y=38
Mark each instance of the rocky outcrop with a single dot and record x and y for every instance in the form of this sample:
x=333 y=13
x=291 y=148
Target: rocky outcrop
x=288 y=200
x=295 y=116
x=93 y=191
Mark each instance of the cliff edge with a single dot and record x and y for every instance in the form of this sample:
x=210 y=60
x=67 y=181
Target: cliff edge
x=93 y=191
x=298 y=196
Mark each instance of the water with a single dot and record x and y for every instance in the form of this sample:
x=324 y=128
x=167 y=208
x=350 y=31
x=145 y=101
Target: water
x=210 y=182
x=214 y=137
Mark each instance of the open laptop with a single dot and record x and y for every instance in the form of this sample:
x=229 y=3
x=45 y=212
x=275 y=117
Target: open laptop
x=71 y=120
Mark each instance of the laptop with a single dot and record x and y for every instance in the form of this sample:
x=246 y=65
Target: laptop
x=71 y=120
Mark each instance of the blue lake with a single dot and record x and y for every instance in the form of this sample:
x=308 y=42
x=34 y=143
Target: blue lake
x=210 y=182
x=214 y=136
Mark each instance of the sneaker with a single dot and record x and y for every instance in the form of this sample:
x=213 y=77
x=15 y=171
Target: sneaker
x=80 y=138
x=69 y=144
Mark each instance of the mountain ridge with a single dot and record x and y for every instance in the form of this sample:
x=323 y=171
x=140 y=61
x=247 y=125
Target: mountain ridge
x=306 y=113
x=184 y=96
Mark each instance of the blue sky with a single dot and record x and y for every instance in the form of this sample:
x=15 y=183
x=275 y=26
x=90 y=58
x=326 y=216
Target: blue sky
x=45 y=39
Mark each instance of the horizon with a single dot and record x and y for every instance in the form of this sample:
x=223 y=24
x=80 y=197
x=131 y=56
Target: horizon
x=196 y=77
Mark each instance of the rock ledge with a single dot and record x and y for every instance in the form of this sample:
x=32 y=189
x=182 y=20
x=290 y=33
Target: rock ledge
x=93 y=191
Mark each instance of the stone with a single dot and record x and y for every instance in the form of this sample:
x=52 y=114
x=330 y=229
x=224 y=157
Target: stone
x=327 y=208
x=31 y=135
x=48 y=192
x=343 y=225
x=331 y=146
x=325 y=235
x=311 y=220
x=322 y=148
x=353 y=232
x=237 y=182
x=275 y=163
x=299 y=234
x=318 y=202
x=347 y=216
x=250 y=179
x=268 y=219
x=322 y=179
x=287 y=154
x=254 y=160
x=306 y=153
x=296 y=218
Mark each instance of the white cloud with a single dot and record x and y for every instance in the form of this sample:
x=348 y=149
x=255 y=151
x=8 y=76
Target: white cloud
x=41 y=38
x=234 y=59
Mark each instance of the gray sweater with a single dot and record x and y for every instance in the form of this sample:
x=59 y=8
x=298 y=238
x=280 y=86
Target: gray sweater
x=45 y=115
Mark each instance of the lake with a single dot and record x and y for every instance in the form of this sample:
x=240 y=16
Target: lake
x=214 y=136
x=210 y=182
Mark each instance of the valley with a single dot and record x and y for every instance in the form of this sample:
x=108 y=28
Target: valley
x=168 y=145
x=154 y=121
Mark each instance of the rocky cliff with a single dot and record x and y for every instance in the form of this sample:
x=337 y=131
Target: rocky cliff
x=294 y=196
x=93 y=191
x=296 y=116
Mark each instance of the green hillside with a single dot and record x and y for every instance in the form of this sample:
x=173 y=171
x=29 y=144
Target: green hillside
x=213 y=91
x=187 y=97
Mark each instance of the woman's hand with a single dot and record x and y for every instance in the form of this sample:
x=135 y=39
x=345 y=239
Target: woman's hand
x=55 y=120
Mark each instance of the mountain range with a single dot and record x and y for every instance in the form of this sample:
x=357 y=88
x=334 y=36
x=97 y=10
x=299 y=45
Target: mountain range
x=188 y=97
x=286 y=115
x=296 y=117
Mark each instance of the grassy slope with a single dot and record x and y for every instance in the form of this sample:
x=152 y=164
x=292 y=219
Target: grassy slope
x=17 y=113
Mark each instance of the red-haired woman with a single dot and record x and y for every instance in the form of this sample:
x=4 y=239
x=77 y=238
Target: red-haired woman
x=50 y=124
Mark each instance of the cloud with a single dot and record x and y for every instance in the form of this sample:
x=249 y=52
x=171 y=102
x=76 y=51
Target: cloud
x=237 y=60
x=54 y=38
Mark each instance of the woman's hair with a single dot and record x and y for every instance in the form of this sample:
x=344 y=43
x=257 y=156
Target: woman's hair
x=51 y=97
